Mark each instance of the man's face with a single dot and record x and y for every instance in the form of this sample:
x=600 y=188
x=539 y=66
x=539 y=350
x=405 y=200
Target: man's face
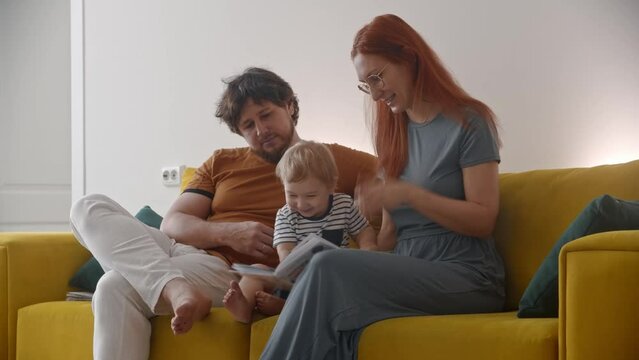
x=267 y=128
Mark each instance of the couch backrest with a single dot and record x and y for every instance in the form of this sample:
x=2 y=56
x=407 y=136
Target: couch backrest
x=187 y=175
x=537 y=206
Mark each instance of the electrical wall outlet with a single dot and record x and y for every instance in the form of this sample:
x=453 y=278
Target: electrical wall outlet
x=172 y=175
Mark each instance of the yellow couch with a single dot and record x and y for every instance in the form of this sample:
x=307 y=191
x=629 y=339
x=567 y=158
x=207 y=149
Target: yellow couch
x=599 y=296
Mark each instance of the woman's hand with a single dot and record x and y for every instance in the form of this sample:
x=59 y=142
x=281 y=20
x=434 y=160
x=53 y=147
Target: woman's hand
x=396 y=193
x=375 y=194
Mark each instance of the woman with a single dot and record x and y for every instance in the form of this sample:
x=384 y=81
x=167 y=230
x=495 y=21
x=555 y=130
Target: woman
x=438 y=150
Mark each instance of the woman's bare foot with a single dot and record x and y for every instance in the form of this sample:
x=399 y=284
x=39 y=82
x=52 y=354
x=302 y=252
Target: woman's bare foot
x=268 y=304
x=188 y=303
x=237 y=304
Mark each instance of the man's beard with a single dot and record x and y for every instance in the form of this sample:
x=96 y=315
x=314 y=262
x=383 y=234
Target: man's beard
x=275 y=155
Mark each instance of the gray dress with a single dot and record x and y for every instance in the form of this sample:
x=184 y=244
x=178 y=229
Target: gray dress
x=431 y=270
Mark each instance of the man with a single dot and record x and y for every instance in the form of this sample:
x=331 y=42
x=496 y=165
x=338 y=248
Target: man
x=225 y=215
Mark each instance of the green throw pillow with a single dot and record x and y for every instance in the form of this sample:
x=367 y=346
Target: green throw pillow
x=149 y=217
x=605 y=213
x=86 y=278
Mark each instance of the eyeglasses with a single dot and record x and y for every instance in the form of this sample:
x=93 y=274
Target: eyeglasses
x=373 y=81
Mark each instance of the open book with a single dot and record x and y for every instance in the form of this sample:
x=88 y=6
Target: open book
x=287 y=271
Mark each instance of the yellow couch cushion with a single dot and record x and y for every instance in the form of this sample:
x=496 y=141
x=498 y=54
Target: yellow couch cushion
x=55 y=330
x=218 y=337
x=64 y=330
x=475 y=336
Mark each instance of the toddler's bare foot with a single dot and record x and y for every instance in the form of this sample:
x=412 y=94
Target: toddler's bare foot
x=268 y=304
x=188 y=303
x=237 y=304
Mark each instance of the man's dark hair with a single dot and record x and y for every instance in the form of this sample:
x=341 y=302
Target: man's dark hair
x=256 y=84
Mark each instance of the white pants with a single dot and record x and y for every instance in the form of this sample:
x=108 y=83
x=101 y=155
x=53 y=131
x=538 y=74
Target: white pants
x=138 y=260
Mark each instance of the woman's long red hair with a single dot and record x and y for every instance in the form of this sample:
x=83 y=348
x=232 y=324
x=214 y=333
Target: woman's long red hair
x=391 y=37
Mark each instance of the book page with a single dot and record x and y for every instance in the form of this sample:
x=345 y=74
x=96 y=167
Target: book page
x=295 y=262
x=287 y=271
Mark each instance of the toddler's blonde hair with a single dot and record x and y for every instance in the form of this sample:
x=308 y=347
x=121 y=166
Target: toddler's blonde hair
x=306 y=159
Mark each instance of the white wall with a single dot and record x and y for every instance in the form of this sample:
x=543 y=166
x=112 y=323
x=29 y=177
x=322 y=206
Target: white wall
x=561 y=76
x=35 y=122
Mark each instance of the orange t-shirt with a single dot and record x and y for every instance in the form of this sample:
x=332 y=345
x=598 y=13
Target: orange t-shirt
x=243 y=187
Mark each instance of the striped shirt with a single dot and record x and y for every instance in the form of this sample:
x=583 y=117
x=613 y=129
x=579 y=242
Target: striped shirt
x=341 y=221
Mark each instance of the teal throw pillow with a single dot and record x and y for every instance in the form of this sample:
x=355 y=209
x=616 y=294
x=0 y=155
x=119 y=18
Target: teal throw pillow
x=605 y=213
x=149 y=217
x=86 y=278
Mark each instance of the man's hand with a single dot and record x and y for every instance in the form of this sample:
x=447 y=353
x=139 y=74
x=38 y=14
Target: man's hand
x=186 y=222
x=251 y=238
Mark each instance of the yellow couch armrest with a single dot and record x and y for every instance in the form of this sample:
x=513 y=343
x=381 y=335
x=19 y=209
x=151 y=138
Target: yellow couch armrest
x=599 y=297
x=34 y=268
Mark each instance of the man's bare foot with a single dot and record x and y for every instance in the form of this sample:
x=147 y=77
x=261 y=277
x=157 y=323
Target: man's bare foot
x=268 y=304
x=188 y=303
x=237 y=304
